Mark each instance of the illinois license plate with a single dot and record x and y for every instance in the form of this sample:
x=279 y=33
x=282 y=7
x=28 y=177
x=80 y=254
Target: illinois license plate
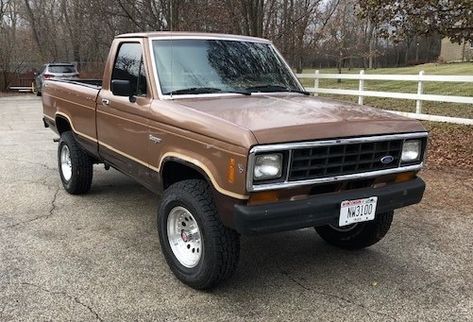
x=358 y=210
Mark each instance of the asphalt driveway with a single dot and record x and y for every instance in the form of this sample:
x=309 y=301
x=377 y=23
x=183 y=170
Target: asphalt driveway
x=97 y=257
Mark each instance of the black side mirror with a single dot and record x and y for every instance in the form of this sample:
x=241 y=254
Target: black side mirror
x=122 y=87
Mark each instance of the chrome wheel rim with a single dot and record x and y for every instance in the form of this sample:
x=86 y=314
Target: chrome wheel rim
x=66 y=163
x=184 y=237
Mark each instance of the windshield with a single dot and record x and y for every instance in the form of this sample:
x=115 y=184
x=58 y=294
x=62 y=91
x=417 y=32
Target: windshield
x=62 y=69
x=195 y=66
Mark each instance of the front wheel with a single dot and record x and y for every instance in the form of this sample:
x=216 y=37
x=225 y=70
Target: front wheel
x=198 y=248
x=358 y=235
x=75 y=165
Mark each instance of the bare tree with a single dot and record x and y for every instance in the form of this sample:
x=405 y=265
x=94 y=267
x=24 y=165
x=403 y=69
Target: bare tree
x=13 y=42
x=341 y=33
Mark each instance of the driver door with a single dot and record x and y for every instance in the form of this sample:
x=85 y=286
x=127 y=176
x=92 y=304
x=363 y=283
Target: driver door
x=122 y=121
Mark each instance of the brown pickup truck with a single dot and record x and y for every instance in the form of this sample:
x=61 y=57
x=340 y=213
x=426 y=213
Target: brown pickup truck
x=222 y=130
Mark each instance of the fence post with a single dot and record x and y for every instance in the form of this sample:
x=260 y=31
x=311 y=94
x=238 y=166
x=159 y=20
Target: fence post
x=361 y=87
x=316 y=83
x=420 y=90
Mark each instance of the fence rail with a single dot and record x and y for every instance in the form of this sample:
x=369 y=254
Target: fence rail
x=419 y=97
x=21 y=89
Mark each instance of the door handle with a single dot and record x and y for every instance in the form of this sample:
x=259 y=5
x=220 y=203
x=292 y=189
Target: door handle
x=105 y=101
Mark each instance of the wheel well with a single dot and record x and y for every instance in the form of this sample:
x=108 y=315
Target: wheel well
x=175 y=171
x=62 y=125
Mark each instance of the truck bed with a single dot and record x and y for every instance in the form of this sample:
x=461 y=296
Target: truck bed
x=74 y=101
x=92 y=83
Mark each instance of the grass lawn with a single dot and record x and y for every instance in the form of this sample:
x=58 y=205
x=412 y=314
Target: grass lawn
x=438 y=108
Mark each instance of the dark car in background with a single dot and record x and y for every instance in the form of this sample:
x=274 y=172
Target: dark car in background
x=53 y=71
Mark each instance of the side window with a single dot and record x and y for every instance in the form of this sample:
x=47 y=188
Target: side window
x=129 y=66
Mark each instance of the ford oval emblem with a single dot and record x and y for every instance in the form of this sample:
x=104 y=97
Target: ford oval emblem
x=387 y=159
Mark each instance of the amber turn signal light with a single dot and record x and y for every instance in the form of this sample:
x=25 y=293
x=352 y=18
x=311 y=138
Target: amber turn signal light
x=267 y=196
x=231 y=170
x=404 y=177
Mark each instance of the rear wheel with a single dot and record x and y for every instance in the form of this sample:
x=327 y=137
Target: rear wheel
x=75 y=165
x=35 y=89
x=198 y=248
x=358 y=235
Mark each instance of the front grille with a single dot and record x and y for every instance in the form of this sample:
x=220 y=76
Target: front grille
x=343 y=159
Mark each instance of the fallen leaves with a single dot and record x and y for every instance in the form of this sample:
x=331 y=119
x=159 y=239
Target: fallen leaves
x=450 y=146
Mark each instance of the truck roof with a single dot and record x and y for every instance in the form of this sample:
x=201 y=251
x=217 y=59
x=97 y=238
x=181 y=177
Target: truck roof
x=185 y=34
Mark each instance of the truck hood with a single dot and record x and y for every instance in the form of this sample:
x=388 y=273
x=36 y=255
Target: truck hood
x=292 y=117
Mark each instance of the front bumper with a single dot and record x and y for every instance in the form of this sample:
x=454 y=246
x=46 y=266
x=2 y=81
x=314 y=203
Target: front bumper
x=321 y=209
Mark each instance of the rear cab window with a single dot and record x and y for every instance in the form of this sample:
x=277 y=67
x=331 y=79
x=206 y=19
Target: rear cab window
x=129 y=65
x=62 y=69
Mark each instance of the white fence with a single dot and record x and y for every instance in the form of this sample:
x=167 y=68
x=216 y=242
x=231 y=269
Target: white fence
x=21 y=89
x=419 y=97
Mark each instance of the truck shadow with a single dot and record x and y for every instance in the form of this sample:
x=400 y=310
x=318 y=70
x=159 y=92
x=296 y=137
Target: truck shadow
x=302 y=255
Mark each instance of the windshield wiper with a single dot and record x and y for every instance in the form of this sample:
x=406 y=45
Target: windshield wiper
x=205 y=90
x=275 y=88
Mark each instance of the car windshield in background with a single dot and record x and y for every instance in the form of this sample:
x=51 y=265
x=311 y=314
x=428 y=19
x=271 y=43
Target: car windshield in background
x=62 y=69
x=196 y=66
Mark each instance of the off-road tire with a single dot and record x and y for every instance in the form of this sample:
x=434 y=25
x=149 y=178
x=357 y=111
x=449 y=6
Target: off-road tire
x=221 y=245
x=362 y=235
x=82 y=166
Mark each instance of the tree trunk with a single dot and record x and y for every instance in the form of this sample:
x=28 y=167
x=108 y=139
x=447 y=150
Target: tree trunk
x=339 y=67
x=406 y=54
x=370 y=46
x=398 y=57
x=36 y=34
x=371 y=54
x=416 y=43
x=464 y=51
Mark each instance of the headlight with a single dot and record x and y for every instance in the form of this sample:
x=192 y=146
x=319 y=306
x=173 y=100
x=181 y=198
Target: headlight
x=268 y=166
x=411 y=150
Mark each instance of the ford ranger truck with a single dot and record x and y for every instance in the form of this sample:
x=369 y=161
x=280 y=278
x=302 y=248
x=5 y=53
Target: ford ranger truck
x=221 y=129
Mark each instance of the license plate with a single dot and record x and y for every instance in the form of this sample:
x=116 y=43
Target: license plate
x=358 y=210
